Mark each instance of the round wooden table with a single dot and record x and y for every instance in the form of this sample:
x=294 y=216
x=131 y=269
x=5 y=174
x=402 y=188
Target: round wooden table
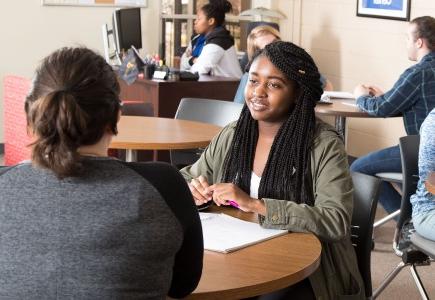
x=341 y=109
x=430 y=183
x=152 y=133
x=258 y=269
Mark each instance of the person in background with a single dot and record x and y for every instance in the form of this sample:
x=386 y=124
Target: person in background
x=423 y=202
x=212 y=50
x=413 y=96
x=290 y=168
x=77 y=224
x=258 y=38
x=262 y=35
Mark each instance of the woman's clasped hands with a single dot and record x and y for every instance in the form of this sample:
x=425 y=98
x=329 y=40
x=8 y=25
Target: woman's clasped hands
x=223 y=194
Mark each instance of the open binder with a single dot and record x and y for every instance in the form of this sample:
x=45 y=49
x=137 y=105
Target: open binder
x=223 y=233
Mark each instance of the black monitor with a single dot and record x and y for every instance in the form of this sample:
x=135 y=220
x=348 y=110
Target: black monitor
x=127 y=29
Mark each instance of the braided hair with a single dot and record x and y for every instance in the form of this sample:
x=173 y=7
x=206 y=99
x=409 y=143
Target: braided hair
x=287 y=172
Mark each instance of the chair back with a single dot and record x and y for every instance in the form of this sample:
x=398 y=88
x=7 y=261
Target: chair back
x=365 y=199
x=216 y=112
x=409 y=147
x=252 y=25
x=137 y=108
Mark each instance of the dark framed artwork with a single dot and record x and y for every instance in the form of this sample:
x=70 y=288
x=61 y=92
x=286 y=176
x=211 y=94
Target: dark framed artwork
x=384 y=9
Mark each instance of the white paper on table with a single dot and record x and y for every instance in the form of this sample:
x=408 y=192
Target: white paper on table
x=330 y=95
x=349 y=104
x=223 y=233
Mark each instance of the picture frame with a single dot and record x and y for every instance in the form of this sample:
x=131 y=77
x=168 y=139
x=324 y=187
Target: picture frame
x=384 y=9
x=96 y=3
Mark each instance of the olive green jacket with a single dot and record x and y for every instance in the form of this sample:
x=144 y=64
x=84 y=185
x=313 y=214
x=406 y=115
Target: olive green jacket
x=329 y=219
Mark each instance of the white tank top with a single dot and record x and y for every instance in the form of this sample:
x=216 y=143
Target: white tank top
x=255 y=184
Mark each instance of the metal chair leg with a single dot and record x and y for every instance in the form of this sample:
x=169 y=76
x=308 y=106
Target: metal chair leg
x=386 y=219
x=418 y=283
x=388 y=279
x=131 y=155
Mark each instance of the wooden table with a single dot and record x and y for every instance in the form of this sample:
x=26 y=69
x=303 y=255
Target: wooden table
x=341 y=109
x=165 y=95
x=258 y=269
x=430 y=183
x=150 y=133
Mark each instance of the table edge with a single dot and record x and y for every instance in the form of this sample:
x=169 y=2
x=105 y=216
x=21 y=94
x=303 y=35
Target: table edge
x=265 y=287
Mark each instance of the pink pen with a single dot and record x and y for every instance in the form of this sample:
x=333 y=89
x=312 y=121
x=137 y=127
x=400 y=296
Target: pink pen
x=233 y=203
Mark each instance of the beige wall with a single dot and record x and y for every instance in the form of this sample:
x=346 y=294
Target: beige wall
x=348 y=49
x=351 y=50
x=29 y=31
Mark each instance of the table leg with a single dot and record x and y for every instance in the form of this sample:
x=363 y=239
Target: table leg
x=340 y=125
x=130 y=155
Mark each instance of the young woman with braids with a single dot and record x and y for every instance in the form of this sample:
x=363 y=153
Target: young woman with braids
x=291 y=169
x=77 y=224
x=212 y=50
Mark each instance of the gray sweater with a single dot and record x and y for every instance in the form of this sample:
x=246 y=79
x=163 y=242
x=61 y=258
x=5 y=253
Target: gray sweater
x=114 y=233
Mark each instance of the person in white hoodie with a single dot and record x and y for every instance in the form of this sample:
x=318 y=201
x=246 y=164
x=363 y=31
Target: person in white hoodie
x=212 y=50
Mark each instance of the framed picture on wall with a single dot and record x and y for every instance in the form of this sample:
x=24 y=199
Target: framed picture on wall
x=385 y=9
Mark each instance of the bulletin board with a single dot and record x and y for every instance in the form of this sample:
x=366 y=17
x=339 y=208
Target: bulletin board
x=118 y=3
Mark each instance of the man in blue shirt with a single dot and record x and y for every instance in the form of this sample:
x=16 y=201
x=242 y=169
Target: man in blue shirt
x=412 y=96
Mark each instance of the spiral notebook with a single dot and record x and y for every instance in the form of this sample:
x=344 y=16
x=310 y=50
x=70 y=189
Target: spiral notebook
x=223 y=233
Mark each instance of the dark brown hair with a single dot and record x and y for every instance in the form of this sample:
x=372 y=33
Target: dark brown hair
x=74 y=99
x=217 y=9
x=287 y=172
x=425 y=30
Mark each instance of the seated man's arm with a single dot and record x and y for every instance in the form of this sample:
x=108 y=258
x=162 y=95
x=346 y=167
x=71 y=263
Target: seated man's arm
x=397 y=100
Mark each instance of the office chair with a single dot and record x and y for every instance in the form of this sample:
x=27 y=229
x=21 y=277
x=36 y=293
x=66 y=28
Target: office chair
x=253 y=24
x=395 y=179
x=427 y=247
x=424 y=245
x=137 y=108
x=211 y=111
x=403 y=244
x=365 y=199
